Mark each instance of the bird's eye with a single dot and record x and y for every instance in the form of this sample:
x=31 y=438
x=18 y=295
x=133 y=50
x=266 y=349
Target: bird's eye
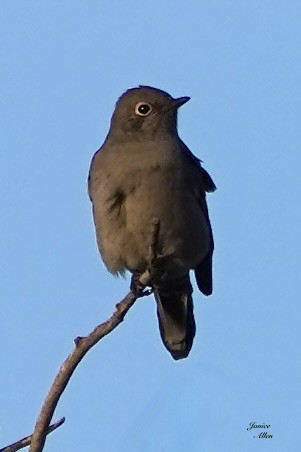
x=143 y=109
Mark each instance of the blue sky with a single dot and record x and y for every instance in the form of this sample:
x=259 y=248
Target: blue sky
x=63 y=65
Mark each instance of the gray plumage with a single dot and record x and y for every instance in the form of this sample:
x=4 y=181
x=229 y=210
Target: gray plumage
x=144 y=171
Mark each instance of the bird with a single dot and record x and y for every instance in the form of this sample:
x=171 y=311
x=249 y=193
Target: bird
x=144 y=171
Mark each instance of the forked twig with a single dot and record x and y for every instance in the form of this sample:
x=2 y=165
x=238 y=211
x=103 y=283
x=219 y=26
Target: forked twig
x=27 y=440
x=84 y=344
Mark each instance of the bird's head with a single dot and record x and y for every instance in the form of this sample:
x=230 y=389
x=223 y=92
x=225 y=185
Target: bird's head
x=145 y=112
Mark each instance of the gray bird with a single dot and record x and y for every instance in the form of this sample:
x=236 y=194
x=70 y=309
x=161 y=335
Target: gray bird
x=145 y=171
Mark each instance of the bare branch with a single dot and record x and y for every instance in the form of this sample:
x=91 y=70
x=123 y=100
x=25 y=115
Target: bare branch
x=84 y=344
x=27 y=440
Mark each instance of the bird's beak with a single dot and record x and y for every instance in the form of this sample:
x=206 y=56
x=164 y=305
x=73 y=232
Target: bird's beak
x=176 y=103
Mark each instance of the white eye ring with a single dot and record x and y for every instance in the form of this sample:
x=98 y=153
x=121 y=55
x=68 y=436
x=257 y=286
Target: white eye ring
x=143 y=109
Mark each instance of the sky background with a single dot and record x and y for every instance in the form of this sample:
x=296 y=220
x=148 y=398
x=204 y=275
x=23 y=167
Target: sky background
x=62 y=67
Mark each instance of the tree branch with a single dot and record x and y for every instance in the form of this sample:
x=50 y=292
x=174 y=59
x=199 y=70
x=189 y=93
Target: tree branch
x=27 y=440
x=84 y=344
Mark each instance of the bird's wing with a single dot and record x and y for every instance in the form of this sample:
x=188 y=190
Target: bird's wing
x=203 y=271
x=93 y=174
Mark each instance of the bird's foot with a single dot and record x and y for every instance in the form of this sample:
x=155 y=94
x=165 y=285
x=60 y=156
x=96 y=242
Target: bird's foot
x=137 y=287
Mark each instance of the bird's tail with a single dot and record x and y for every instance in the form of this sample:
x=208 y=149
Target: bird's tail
x=176 y=319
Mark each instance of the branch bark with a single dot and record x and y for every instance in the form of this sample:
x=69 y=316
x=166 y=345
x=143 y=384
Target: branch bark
x=84 y=344
x=27 y=440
